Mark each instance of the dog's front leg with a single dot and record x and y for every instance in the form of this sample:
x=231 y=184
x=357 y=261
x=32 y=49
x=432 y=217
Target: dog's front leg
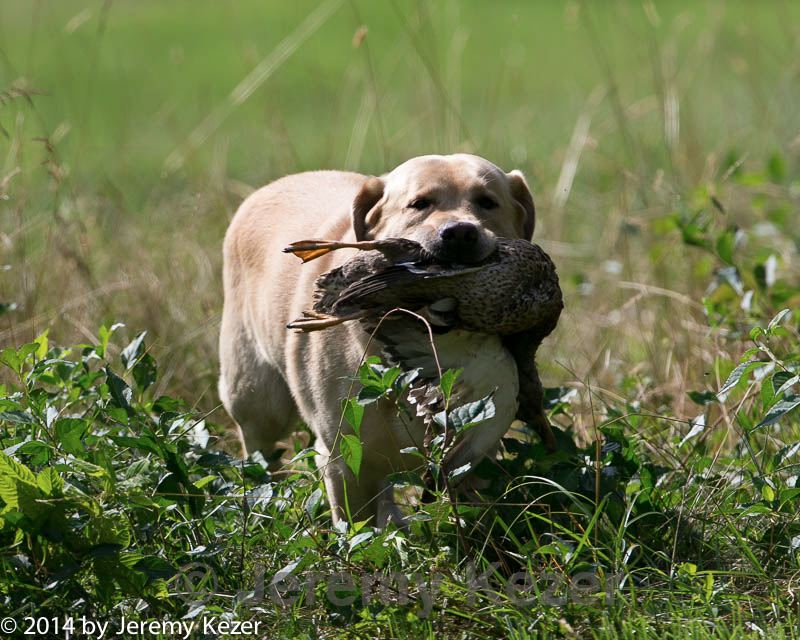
x=366 y=497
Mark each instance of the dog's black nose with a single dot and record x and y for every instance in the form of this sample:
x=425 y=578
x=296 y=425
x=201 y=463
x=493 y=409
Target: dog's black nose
x=459 y=234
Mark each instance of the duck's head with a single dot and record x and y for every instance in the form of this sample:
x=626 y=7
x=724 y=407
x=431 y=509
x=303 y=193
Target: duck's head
x=455 y=206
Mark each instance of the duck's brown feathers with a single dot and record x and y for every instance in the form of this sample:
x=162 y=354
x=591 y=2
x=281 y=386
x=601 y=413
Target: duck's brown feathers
x=514 y=293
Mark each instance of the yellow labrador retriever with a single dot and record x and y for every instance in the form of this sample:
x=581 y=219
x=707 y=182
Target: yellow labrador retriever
x=455 y=206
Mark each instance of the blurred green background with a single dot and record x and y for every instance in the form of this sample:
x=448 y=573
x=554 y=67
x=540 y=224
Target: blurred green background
x=128 y=82
x=132 y=130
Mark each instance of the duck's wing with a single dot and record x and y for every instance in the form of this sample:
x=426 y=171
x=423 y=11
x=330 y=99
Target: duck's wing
x=398 y=277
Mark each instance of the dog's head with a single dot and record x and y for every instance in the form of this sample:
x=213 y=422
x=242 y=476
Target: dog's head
x=454 y=206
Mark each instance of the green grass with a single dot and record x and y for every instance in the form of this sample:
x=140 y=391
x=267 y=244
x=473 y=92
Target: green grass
x=661 y=140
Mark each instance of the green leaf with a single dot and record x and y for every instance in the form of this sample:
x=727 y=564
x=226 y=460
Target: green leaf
x=389 y=377
x=145 y=371
x=17 y=417
x=120 y=392
x=447 y=382
x=50 y=482
x=777 y=319
x=144 y=443
x=459 y=471
x=10 y=358
x=779 y=410
x=19 y=489
x=38 y=452
x=785 y=381
x=164 y=404
x=312 y=503
x=351 y=450
x=154 y=567
x=359 y=539
x=130 y=354
x=470 y=414
x=738 y=373
x=370 y=394
x=353 y=413
x=703 y=397
x=41 y=351
x=725 y=245
x=69 y=433
x=259 y=497
x=698 y=425
x=406 y=479
x=105 y=333
x=10 y=468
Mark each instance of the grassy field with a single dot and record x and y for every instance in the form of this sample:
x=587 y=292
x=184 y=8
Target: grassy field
x=662 y=142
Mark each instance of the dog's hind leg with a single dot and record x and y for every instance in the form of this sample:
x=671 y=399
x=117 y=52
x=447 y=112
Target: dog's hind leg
x=253 y=391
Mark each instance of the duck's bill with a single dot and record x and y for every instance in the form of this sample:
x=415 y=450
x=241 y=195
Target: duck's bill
x=308 y=250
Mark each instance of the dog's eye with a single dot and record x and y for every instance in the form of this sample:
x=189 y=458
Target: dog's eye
x=486 y=202
x=420 y=204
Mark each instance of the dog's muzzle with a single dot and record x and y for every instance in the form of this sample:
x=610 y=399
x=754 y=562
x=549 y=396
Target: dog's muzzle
x=459 y=242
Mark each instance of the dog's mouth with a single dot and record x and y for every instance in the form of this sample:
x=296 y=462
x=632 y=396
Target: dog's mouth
x=454 y=253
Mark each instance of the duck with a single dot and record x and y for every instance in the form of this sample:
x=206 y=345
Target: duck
x=515 y=289
x=514 y=293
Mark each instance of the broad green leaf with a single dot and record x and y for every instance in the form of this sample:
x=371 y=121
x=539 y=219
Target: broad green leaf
x=370 y=394
x=351 y=450
x=777 y=319
x=50 y=482
x=19 y=489
x=42 y=341
x=781 y=409
x=120 y=392
x=359 y=538
x=259 y=497
x=12 y=469
x=459 y=471
x=406 y=479
x=109 y=529
x=130 y=354
x=145 y=372
x=312 y=503
x=17 y=417
x=389 y=377
x=703 y=397
x=69 y=433
x=145 y=442
x=105 y=334
x=155 y=567
x=725 y=245
x=785 y=383
x=26 y=350
x=698 y=426
x=10 y=358
x=353 y=413
x=447 y=382
x=470 y=414
x=738 y=373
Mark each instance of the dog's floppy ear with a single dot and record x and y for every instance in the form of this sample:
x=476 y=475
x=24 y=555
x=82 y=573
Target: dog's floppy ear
x=370 y=194
x=522 y=195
